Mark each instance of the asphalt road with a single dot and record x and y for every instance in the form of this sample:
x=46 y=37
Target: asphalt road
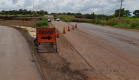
x=111 y=51
x=124 y=39
x=16 y=57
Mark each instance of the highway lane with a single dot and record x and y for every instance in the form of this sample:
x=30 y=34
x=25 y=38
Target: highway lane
x=112 y=51
x=105 y=51
x=16 y=57
x=124 y=39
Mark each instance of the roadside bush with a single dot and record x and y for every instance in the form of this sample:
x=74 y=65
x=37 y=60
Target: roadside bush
x=121 y=25
x=110 y=22
x=44 y=27
x=43 y=22
x=92 y=21
x=98 y=21
x=24 y=29
x=64 y=19
x=128 y=21
x=134 y=25
x=137 y=27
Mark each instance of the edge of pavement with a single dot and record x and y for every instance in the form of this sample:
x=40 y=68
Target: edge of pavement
x=32 y=33
x=82 y=29
x=33 y=55
x=87 y=76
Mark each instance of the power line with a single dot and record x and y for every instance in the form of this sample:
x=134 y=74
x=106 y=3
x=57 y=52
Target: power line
x=113 y=8
x=120 y=10
x=118 y=5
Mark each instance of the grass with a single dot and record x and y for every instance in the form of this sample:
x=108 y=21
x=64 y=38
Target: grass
x=42 y=24
x=127 y=26
x=24 y=29
x=69 y=18
x=127 y=18
x=130 y=23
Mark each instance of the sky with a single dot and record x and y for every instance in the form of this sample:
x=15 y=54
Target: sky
x=74 y=6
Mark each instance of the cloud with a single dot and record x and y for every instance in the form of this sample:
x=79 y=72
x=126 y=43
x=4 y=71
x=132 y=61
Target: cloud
x=60 y=6
x=14 y=1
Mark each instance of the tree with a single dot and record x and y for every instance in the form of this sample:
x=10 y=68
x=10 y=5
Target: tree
x=78 y=14
x=136 y=13
x=72 y=14
x=15 y=14
x=64 y=13
x=127 y=13
x=45 y=12
x=93 y=15
x=121 y=14
x=6 y=13
x=24 y=12
x=29 y=12
x=68 y=13
x=41 y=12
x=88 y=16
x=20 y=11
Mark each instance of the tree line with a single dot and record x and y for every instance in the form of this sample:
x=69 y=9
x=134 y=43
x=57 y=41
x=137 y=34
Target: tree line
x=124 y=13
x=23 y=12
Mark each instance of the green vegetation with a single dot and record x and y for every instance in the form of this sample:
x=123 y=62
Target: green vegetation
x=23 y=12
x=127 y=18
x=42 y=24
x=110 y=22
x=136 y=13
x=125 y=13
x=128 y=23
x=128 y=26
x=69 y=18
x=24 y=29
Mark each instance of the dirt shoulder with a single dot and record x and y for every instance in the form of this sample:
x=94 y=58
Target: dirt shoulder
x=55 y=66
x=18 y=22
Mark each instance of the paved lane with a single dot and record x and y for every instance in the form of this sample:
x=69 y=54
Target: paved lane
x=15 y=57
x=124 y=39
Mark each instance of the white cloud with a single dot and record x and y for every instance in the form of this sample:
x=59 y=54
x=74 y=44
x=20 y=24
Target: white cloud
x=83 y=6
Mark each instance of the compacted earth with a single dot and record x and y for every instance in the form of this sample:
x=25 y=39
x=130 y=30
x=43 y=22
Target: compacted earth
x=53 y=65
x=18 y=22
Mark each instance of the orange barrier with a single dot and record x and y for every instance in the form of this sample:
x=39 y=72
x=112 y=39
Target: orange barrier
x=57 y=34
x=68 y=28
x=64 y=31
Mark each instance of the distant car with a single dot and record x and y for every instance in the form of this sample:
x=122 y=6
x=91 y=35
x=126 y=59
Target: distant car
x=58 y=19
x=49 y=20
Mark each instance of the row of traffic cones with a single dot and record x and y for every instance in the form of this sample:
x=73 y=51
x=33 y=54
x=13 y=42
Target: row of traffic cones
x=69 y=28
x=64 y=32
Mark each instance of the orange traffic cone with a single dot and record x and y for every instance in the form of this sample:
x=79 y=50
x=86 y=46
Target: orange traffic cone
x=68 y=28
x=73 y=27
x=64 y=31
x=57 y=34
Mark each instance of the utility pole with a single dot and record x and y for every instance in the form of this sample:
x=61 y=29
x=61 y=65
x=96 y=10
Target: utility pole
x=33 y=7
x=103 y=15
x=120 y=9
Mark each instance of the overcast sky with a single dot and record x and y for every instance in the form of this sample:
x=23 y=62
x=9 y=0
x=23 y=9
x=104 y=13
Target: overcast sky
x=60 y=6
